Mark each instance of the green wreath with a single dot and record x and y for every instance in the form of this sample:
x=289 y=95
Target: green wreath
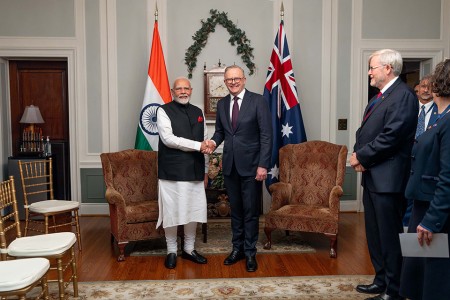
x=237 y=37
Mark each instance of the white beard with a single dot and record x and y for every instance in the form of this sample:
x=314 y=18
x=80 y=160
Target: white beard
x=182 y=100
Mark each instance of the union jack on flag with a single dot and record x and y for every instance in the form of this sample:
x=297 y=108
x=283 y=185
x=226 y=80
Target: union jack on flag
x=280 y=92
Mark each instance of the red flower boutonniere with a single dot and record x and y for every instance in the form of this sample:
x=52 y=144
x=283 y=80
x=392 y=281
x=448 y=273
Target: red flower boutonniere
x=200 y=119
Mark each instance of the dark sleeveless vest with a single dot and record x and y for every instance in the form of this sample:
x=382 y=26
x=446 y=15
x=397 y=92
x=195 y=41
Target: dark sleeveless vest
x=173 y=164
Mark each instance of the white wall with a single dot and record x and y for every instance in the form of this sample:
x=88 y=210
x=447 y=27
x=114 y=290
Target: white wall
x=106 y=44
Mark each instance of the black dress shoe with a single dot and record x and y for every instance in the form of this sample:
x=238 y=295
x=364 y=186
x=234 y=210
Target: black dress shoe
x=171 y=261
x=194 y=256
x=251 y=263
x=384 y=296
x=234 y=257
x=370 y=288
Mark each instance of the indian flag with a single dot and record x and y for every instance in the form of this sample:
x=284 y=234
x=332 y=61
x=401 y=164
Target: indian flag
x=157 y=92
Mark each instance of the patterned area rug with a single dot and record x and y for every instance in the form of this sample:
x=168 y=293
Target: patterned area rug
x=219 y=242
x=317 y=287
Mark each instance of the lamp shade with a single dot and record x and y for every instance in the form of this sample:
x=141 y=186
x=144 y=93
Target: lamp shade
x=32 y=115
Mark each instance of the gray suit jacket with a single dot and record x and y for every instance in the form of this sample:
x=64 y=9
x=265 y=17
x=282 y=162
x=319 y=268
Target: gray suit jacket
x=250 y=145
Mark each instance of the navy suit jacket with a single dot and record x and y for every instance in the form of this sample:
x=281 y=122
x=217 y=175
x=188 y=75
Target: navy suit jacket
x=384 y=140
x=430 y=173
x=250 y=145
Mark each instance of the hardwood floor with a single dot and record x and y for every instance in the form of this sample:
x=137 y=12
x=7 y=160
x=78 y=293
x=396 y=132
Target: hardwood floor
x=97 y=261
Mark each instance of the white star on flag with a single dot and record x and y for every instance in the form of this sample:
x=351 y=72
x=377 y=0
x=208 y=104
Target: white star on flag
x=286 y=130
x=274 y=172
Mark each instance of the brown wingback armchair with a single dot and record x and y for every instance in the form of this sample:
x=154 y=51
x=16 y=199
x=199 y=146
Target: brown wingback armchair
x=306 y=198
x=132 y=193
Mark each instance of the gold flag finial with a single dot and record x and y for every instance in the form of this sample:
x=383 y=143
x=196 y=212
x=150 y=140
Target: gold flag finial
x=282 y=11
x=156 y=11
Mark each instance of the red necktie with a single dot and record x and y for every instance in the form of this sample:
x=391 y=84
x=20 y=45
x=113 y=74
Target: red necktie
x=235 y=112
x=369 y=110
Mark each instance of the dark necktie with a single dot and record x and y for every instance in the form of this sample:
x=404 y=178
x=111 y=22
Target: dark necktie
x=235 y=113
x=421 y=122
x=369 y=110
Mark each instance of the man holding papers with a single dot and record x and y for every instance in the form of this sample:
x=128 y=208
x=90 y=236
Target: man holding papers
x=429 y=187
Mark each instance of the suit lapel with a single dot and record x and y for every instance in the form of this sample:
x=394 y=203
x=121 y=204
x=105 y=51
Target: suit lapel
x=384 y=97
x=227 y=111
x=433 y=116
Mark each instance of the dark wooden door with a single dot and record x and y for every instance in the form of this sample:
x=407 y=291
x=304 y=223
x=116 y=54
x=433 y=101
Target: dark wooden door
x=43 y=84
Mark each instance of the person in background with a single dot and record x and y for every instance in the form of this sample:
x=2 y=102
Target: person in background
x=382 y=153
x=429 y=187
x=426 y=116
x=182 y=171
x=243 y=124
x=416 y=88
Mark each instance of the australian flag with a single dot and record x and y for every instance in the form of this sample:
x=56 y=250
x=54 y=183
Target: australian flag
x=280 y=92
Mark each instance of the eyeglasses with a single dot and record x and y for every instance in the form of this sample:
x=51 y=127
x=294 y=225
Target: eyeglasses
x=236 y=79
x=376 y=67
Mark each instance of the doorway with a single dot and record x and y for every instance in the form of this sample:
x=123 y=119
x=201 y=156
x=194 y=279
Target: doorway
x=43 y=84
x=413 y=69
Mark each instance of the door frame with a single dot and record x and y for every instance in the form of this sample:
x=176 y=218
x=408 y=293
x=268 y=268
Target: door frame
x=70 y=56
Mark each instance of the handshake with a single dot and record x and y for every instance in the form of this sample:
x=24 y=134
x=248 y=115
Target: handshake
x=207 y=147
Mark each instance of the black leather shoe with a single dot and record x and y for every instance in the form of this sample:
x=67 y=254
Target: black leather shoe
x=251 y=263
x=171 y=261
x=384 y=296
x=370 y=288
x=234 y=257
x=194 y=256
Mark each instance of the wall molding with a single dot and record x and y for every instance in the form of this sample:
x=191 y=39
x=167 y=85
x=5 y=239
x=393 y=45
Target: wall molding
x=436 y=49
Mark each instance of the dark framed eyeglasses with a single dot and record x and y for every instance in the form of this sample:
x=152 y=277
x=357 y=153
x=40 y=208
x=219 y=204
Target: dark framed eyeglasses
x=236 y=79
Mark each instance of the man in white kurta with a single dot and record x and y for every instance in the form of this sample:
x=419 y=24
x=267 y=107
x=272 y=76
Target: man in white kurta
x=182 y=199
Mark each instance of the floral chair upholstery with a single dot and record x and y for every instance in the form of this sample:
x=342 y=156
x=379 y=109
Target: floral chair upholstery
x=132 y=193
x=306 y=198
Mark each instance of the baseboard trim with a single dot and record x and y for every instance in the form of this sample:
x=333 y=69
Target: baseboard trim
x=94 y=209
x=349 y=206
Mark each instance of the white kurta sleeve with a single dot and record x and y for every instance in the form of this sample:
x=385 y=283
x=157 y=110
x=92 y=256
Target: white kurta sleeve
x=169 y=139
x=205 y=137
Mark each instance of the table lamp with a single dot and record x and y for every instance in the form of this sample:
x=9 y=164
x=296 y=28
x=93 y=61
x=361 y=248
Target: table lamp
x=32 y=116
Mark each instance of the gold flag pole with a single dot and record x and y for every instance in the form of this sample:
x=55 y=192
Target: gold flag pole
x=282 y=11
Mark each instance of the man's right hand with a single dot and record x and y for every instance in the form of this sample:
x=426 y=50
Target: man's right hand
x=207 y=147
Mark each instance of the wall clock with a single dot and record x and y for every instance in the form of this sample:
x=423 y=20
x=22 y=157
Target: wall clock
x=215 y=89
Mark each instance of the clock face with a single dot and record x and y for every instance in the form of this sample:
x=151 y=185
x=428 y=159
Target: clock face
x=216 y=86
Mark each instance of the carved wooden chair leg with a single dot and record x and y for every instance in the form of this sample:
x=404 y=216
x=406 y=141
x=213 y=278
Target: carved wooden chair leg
x=333 y=244
x=268 y=232
x=121 y=246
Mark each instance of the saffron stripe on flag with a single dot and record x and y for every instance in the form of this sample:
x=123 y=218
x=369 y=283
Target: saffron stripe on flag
x=157 y=92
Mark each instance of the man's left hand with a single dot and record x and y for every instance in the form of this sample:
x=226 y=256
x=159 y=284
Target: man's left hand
x=261 y=174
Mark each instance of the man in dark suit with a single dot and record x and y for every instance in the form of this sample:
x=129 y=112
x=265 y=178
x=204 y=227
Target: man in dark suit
x=427 y=115
x=243 y=122
x=382 y=153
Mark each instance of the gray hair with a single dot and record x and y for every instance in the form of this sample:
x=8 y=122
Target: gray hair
x=390 y=57
x=180 y=78
x=426 y=78
x=234 y=67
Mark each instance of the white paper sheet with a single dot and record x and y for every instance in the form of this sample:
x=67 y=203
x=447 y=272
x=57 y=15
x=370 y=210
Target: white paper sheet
x=437 y=248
